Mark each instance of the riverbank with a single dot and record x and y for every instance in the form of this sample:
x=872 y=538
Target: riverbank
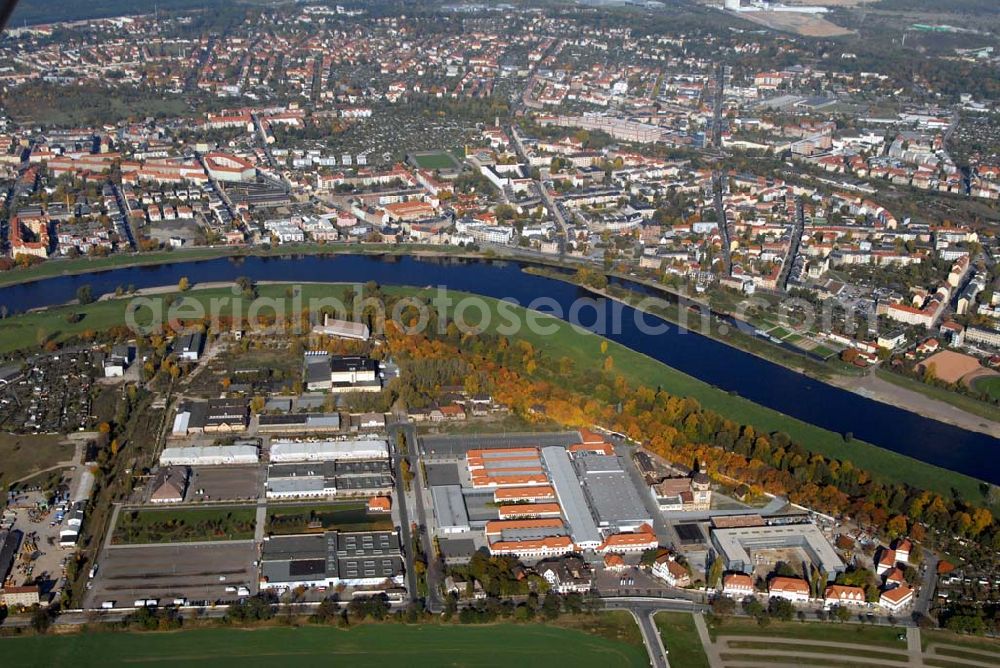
x=868 y=385
x=876 y=386
x=956 y=410
x=564 y=340
x=546 y=266
x=87 y=265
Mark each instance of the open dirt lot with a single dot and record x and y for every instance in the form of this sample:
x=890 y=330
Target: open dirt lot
x=950 y=366
x=23 y=455
x=166 y=572
x=800 y=24
x=764 y=561
x=827 y=3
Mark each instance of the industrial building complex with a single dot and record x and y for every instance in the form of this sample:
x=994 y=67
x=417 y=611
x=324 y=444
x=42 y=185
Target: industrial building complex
x=736 y=545
x=330 y=559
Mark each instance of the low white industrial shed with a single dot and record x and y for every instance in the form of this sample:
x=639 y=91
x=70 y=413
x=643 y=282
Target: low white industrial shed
x=209 y=455
x=320 y=451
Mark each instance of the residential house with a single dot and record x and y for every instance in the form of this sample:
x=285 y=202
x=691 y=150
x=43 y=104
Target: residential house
x=844 y=595
x=737 y=585
x=567 y=575
x=897 y=598
x=667 y=569
x=795 y=590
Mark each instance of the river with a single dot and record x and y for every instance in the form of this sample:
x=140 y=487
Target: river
x=713 y=362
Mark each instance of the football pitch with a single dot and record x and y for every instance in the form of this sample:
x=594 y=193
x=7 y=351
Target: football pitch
x=375 y=645
x=435 y=160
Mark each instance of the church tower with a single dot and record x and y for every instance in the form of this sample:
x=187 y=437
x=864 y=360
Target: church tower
x=701 y=489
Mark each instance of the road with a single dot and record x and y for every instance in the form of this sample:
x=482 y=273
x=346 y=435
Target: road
x=217 y=188
x=720 y=88
x=643 y=609
x=10 y=201
x=435 y=574
x=72 y=618
x=406 y=538
x=266 y=148
x=553 y=206
x=926 y=595
x=651 y=638
x=720 y=214
x=191 y=83
x=550 y=203
x=123 y=211
x=793 y=248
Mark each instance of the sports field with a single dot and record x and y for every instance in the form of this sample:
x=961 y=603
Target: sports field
x=371 y=645
x=435 y=160
x=990 y=385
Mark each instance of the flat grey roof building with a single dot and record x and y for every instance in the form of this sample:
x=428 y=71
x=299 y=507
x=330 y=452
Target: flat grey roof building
x=328 y=478
x=590 y=463
x=360 y=558
x=300 y=422
x=610 y=493
x=457 y=550
x=531 y=533
x=449 y=509
x=616 y=501
x=735 y=545
x=571 y=498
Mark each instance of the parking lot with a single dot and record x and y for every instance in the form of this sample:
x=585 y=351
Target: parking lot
x=443 y=474
x=457 y=446
x=632 y=581
x=224 y=483
x=195 y=572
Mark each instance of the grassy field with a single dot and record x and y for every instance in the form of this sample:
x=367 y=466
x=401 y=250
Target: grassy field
x=839 y=652
x=351 y=516
x=375 y=646
x=859 y=634
x=564 y=340
x=680 y=637
x=176 y=525
x=942 y=637
x=24 y=455
x=103 y=106
x=832 y=662
x=612 y=625
x=434 y=160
